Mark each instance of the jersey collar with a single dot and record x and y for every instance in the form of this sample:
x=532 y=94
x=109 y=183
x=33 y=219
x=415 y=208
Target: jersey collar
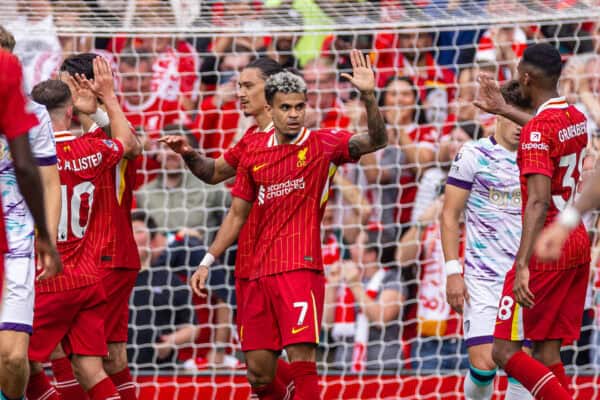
x=63 y=136
x=555 y=102
x=298 y=140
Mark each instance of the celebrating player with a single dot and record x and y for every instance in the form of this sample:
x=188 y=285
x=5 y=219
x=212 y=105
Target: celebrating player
x=17 y=299
x=284 y=178
x=543 y=300
x=71 y=308
x=120 y=260
x=484 y=183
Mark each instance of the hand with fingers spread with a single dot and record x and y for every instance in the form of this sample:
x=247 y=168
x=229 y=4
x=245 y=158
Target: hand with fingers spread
x=84 y=100
x=48 y=258
x=103 y=85
x=198 y=280
x=363 y=77
x=521 y=291
x=456 y=292
x=178 y=144
x=489 y=98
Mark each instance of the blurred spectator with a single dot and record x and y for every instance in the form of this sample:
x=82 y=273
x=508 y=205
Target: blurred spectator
x=281 y=49
x=368 y=300
x=218 y=119
x=438 y=344
x=244 y=15
x=174 y=70
x=177 y=199
x=502 y=47
x=37 y=44
x=144 y=108
x=325 y=108
x=161 y=316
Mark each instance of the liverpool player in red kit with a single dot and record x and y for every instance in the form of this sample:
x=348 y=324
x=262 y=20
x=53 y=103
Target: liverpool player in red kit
x=543 y=300
x=71 y=308
x=284 y=177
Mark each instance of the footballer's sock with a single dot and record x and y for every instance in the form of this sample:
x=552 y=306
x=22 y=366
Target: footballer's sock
x=516 y=391
x=66 y=384
x=306 y=381
x=559 y=371
x=124 y=384
x=536 y=377
x=104 y=390
x=284 y=374
x=479 y=384
x=39 y=387
x=5 y=397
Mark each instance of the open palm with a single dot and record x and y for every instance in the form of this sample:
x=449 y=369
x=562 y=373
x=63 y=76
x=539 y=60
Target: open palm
x=363 y=77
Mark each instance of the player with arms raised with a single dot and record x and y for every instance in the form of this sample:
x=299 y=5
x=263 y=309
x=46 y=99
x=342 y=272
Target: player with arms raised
x=71 y=308
x=543 y=300
x=483 y=182
x=284 y=177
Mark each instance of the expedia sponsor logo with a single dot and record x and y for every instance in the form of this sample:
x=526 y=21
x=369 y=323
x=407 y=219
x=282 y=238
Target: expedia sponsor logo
x=535 y=146
x=279 y=189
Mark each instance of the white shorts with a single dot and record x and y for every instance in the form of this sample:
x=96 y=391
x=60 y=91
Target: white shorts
x=16 y=309
x=479 y=318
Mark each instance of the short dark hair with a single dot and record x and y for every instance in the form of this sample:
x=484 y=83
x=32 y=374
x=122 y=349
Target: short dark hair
x=267 y=66
x=7 y=40
x=544 y=57
x=143 y=216
x=53 y=94
x=472 y=129
x=82 y=63
x=512 y=95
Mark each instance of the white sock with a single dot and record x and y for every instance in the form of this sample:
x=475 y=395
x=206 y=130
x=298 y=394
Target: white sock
x=516 y=391
x=474 y=391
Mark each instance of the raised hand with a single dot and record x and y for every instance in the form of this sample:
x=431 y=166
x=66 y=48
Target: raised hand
x=103 y=85
x=84 y=100
x=489 y=97
x=363 y=77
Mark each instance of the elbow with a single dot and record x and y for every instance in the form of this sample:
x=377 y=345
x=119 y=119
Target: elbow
x=382 y=140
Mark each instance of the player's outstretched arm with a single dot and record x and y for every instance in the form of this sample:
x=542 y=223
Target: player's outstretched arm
x=227 y=235
x=455 y=200
x=363 y=78
x=204 y=168
x=103 y=86
x=491 y=101
x=30 y=186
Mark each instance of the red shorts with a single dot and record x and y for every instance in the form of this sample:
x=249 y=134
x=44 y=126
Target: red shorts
x=74 y=318
x=559 y=298
x=118 y=284
x=275 y=311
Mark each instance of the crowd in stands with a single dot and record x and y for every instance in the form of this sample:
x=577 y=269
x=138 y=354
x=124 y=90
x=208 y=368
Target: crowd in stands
x=385 y=297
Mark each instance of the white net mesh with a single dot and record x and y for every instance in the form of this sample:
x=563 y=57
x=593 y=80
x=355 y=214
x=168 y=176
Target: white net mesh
x=176 y=63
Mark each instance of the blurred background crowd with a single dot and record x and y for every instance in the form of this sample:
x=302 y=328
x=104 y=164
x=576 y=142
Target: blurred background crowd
x=384 y=265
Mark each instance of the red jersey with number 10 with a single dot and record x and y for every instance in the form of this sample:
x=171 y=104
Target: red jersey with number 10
x=553 y=144
x=85 y=167
x=288 y=185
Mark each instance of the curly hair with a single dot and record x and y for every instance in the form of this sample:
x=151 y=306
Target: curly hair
x=283 y=82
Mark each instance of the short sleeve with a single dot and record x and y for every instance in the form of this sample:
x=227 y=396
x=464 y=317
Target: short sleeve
x=15 y=118
x=244 y=187
x=233 y=155
x=112 y=152
x=41 y=138
x=338 y=140
x=535 y=149
x=464 y=167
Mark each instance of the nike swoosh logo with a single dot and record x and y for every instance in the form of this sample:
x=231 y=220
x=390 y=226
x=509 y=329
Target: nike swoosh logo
x=257 y=167
x=295 y=331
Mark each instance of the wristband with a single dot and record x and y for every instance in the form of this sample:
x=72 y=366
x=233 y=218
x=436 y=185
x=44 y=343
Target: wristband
x=453 y=267
x=208 y=260
x=100 y=117
x=569 y=217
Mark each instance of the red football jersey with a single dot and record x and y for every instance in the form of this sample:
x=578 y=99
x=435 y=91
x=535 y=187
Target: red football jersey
x=121 y=250
x=243 y=259
x=85 y=166
x=288 y=185
x=15 y=120
x=553 y=144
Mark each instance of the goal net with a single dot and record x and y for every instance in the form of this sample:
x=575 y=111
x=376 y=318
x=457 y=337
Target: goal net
x=176 y=64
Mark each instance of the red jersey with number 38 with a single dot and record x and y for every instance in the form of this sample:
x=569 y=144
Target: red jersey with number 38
x=553 y=144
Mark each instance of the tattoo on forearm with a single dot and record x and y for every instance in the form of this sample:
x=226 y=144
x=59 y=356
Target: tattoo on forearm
x=202 y=167
x=376 y=138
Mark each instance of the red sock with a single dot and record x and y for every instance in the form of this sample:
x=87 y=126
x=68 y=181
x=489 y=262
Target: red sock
x=284 y=375
x=104 y=390
x=559 y=371
x=124 y=384
x=306 y=381
x=39 y=387
x=66 y=384
x=536 y=377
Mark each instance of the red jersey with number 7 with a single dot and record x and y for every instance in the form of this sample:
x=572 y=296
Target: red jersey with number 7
x=288 y=185
x=553 y=144
x=85 y=166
